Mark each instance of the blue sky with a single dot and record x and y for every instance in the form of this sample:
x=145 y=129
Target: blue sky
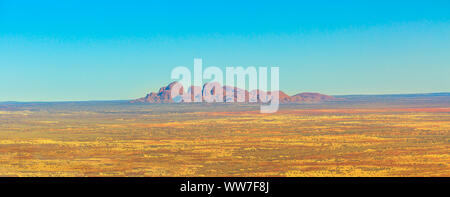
x=108 y=50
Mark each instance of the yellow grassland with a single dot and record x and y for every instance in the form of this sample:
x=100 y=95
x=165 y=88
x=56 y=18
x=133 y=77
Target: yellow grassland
x=331 y=142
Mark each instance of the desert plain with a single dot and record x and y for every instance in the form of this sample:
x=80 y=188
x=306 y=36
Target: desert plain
x=360 y=136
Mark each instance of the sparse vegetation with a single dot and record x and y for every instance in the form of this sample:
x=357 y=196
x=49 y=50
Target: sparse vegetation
x=158 y=140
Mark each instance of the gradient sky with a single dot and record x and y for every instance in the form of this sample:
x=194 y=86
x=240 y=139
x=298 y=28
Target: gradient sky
x=113 y=50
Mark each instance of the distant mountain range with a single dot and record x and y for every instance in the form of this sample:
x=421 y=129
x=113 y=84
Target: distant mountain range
x=207 y=92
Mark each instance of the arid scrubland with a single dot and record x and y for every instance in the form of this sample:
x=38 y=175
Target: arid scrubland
x=374 y=141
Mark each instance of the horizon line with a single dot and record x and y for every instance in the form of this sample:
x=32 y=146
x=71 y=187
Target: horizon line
x=118 y=100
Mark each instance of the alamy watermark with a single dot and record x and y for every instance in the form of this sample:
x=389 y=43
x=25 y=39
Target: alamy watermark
x=234 y=89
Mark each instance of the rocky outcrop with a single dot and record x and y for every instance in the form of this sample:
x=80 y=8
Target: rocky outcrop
x=207 y=93
x=162 y=96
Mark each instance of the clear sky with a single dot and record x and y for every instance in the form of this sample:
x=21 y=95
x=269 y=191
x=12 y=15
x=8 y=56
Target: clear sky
x=108 y=50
